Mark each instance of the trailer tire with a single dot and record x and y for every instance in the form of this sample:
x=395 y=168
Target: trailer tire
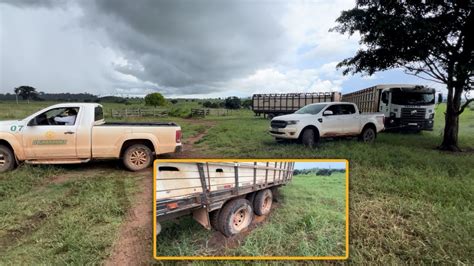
x=368 y=134
x=7 y=159
x=214 y=220
x=309 y=138
x=263 y=202
x=236 y=216
x=137 y=157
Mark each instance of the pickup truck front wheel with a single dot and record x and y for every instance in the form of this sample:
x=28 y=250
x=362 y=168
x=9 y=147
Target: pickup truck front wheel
x=7 y=159
x=137 y=157
x=309 y=138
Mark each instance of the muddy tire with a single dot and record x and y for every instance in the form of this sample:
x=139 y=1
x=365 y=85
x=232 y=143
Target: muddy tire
x=235 y=217
x=263 y=202
x=214 y=220
x=137 y=157
x=7 y=159
x=368 y=135
x=309 y=138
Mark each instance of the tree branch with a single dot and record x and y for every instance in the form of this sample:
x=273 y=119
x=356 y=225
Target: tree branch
x=421 y=77
x=464 y=106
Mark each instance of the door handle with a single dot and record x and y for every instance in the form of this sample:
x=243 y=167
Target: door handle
x=68 y=133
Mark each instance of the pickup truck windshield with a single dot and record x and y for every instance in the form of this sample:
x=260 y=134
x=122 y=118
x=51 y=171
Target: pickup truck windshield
x=412 y=98
x=311 y=109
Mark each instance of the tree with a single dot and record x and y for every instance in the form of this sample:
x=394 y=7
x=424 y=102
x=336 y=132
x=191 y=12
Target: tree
x=26 y=92
x=247 y=103
x=428 y=39
x=155 y=99
x=232 y=103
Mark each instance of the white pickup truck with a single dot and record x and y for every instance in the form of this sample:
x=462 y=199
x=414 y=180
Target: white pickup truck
x=76 y=133
x=326 y=120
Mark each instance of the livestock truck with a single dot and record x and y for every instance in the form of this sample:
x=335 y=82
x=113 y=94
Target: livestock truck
x=275 y=104
x=220 y=195
x=405 y=106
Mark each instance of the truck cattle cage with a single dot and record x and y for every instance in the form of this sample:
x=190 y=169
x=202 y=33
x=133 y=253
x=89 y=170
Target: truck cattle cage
x=224 y=195
x=272 y=105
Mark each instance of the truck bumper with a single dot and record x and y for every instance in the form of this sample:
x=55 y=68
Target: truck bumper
x=284 y=133
x=397 y=123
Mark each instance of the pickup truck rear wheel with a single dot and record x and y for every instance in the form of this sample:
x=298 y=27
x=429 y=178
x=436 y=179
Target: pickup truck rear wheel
x=7 y=159
x=137 y=157
x=235 y=217
x=263 y=202
x=368 y=135
x=308 y=138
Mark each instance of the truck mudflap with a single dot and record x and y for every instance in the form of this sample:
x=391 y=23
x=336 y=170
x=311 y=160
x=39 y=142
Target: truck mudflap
x=201 y=215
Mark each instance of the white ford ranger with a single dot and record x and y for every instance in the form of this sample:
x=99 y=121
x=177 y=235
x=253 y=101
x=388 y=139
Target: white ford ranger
x=326 y=120
x=76 y=133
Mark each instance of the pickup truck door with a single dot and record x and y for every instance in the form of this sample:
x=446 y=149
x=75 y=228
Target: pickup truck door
x=43 y=138
x=332 y=125
x=349 y=119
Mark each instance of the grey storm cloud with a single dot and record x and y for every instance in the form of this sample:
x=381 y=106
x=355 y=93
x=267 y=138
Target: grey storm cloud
x=191 y=46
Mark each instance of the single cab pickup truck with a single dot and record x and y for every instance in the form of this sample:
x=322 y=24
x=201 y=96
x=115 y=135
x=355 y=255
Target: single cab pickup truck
x=77 y=133
x=326 y=120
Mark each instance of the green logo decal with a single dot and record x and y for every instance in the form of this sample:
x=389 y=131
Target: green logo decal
x=50 y=142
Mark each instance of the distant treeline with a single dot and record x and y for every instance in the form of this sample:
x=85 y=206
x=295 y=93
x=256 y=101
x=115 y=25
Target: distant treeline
x=318 y=171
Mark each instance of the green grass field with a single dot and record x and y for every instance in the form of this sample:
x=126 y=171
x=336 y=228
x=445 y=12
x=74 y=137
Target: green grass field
x=408 y=201
x=308 y=221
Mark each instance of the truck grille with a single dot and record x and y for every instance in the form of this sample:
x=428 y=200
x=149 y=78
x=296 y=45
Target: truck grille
x=413 y=115
x=278 y=124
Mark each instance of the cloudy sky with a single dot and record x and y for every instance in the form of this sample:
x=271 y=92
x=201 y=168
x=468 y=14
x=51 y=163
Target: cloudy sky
x=184 y=48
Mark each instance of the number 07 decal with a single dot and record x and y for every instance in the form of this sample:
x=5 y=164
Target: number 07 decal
x=15 y=128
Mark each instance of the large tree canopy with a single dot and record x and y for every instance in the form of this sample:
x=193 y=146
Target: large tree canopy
x=430 y=39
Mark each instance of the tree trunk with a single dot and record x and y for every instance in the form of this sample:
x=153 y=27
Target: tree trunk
x=451 y=127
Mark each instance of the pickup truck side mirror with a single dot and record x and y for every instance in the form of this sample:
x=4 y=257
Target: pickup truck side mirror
x=328 y=112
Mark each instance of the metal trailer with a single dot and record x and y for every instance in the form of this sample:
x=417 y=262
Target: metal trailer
x=407 y=116
x=286 y=103
x=224 y=195
x=367 y=100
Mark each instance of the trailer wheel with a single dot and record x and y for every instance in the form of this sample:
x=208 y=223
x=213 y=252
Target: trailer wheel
x=214 y=219
x=137 y=157
x=368 y=134
x=7 y=159
x=236 y=216
x=263 y=202
x=309 y=138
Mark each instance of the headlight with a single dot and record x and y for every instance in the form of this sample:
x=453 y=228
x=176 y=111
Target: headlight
x=292 y=122
x=392 y=114
x=432 y=116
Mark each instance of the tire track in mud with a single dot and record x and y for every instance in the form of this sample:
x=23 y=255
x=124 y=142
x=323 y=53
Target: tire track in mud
x=134 y=242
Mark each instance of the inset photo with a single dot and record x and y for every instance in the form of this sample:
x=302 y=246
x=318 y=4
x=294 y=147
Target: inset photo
x=251 y=209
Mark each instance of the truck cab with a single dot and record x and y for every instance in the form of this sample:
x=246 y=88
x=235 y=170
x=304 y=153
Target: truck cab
x=408 y=107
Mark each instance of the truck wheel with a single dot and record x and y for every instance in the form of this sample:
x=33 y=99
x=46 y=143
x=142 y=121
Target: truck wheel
x=137 y=157
x=263 y=202
x=368 y=135
x=235 y=217
x=214 y=219
x=308 y=138
x=7 y=159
